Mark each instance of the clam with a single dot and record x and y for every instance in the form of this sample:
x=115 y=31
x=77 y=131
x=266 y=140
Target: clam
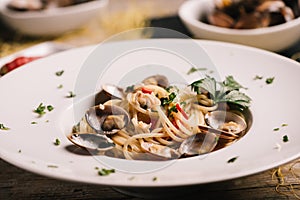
x=198 y=144
x=159 y=80
x=107 y=119
x=109 y=92
x=92 y=141
x=250 y=14
x=227 y=123
x=160 y=152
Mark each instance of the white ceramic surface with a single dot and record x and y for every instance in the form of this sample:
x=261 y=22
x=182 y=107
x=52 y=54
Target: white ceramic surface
x=275 y=38
x=31 y=146
x=51 y=22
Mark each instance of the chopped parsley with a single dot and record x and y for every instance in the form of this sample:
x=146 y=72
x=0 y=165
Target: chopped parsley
x=165 y=101
x=172 y=109
x=50 y=108
x=71 y=95
x=40 y=109
x=257 y=77
x=276 y=129
x=3 y=127
x=270 y=80
x=129 y=89
x=105 y=172
x=60 y=86
x=285 y=138
x=33 y=122
x=226 y=91
x=193 y=69
x=283 y=125
x=57 y=142
x=231 y=160
x=154 y=178
x=59 y=73
x=52 y=166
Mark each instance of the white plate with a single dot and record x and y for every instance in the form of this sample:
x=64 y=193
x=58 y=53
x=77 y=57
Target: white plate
x=30 y=146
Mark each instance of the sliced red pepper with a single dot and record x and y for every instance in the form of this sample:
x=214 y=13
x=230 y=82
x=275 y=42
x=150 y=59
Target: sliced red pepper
x=146 y=90
x=174 y=123
x=182 y=111
x=16 y=63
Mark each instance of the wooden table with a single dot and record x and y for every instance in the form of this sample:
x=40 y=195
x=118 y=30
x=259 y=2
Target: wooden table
x=279 y=183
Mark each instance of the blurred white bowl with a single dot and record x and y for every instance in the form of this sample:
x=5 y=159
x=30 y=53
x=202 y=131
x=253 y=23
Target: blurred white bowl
x=274 y=38
x=52 y=21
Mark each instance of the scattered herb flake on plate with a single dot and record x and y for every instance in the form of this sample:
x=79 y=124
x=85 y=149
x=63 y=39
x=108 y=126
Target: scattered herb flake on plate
x=71 y=95
x=283 y=125
x=154 y=178
x=3 y=127
x=105 y=172
x=270 y=80
x=57 y=142
x=276 y=129
x=52 y=166
x=40 y=109
x=33 y=122
x=59 y=73
x=60 y=86
x=231 y=160
x=50 y=108
x=285 y=138
x=257 y=77
x=193 y=69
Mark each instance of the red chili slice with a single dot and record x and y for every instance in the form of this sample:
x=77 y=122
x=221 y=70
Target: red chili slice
x=146 y=90
x=182 y=111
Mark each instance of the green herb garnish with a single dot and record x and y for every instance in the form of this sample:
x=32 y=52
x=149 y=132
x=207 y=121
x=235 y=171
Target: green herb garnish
x=50 y=108
x=3 y=127
x=59 y=73
x=270 y=80
x=276 y=129
x=165 y=101
x=71 y=95
x=20 y=151
x=60 y=86
x=57 y=142
x=283 y=125
x=105 y=172
x=40 y=109
x=52 y=166
x=193 y=69
x=33 y=122
x=129 y=89
x=231 y=160
x=285 y=138
x=154 y=178
x=226 y=91
x=258 y=77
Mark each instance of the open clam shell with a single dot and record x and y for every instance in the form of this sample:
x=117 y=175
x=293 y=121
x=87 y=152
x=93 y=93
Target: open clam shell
x=91 y=141
x=198 y=144
x=107 y=119
x=107 y=93
x=227 y=122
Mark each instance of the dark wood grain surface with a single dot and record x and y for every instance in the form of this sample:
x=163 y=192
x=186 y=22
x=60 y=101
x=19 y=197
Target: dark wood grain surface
x=15 y=183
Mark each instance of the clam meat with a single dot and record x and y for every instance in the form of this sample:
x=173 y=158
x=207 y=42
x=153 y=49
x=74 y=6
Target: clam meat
x=107 y=119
